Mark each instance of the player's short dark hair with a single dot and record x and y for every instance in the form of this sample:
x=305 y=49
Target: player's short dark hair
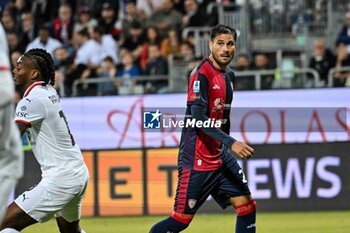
x=222 y=29
x=44 y=63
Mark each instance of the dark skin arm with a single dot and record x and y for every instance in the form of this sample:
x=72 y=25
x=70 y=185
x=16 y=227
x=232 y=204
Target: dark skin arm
x=22 y=127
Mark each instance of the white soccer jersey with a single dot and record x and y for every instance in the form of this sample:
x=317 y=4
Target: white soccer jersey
x=11 y=155
x=53 y=145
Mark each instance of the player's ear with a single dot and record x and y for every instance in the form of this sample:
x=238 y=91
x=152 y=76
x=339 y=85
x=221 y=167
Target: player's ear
x=211 y=45
x=35 y=74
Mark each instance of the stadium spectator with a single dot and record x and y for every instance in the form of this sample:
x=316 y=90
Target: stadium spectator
x=108 y=21
x=84 y=20
x=44 y=11
x=244 y=82
x=135 y=40
x=7 y=20
x=344 y=34
x=262 y=62
x=13 y=42
x=149 y=6
x=152 y=37
x=20 y=7
x=127 y=70
x=171 y=44
x=107 y=70
x=166 y=18
x=342 y=59
x=63 y=25
x=27 y=31
x=322 y=60
x=156 y=65
x=105 y=46
x=186 y=52
x=97 y=6
x=131 y=14
x=44 y=41
x=194 y=15
x=91 y=52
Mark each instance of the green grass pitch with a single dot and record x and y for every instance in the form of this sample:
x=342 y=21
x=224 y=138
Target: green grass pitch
x=296 y=222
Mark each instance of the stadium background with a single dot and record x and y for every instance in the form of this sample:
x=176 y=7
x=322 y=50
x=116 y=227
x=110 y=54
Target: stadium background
x=131 y=176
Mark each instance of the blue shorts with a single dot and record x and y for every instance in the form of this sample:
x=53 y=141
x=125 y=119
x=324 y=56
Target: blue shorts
x=194 y=187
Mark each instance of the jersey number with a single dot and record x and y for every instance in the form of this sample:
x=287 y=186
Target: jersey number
x=244 y=180
x=65 y=121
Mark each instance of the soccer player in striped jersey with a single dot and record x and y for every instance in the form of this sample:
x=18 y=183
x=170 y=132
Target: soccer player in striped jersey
x=207 y=163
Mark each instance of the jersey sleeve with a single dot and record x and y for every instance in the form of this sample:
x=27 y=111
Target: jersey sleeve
x=198 y=90
x=30 y=110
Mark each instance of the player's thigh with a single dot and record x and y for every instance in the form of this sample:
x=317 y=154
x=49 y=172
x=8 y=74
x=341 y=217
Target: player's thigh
x=45 y=199
x=232 y=184
x=16 y=218
x=71 y=212
x=193 y=189
x=7 y=186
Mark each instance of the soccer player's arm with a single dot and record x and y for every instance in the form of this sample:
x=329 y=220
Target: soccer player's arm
x=197 y=99
x=29 y=111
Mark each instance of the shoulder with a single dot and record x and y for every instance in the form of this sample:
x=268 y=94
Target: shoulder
x=206 y=69
x=230 y=72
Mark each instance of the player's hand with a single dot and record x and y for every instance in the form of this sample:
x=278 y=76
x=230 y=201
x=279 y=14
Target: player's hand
x=242 y=150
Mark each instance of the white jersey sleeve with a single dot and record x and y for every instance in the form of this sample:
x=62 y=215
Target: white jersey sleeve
x=30 y=110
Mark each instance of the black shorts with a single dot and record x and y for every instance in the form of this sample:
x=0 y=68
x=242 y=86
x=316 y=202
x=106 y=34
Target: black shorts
x=194 y=187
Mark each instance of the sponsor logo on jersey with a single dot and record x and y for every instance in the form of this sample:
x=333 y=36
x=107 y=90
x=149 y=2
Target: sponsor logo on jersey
x=29 y=100
x=22 y=114
x=216 y=87
x=192 y=203
x=24 y=197
x=151 y=120
x=196 y=86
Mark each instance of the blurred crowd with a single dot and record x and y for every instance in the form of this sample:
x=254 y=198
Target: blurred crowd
x=130 y=38
x=105 y=39
x=322 y=60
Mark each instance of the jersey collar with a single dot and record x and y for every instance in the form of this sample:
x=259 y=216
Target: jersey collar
x=42 y=83
x=4 y=68
x=212 y=65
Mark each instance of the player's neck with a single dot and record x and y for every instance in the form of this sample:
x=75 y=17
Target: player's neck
x=27 y=85
x=217 y=65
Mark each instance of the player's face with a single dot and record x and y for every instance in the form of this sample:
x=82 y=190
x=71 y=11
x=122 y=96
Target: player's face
x=223 y=49
x=24 y=72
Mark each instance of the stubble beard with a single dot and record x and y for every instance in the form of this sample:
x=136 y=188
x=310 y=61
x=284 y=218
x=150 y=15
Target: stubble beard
x=221 y=63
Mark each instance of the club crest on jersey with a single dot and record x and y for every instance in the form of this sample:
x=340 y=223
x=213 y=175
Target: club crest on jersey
x=192 y=203
x=196 y=86
x=219 y=104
